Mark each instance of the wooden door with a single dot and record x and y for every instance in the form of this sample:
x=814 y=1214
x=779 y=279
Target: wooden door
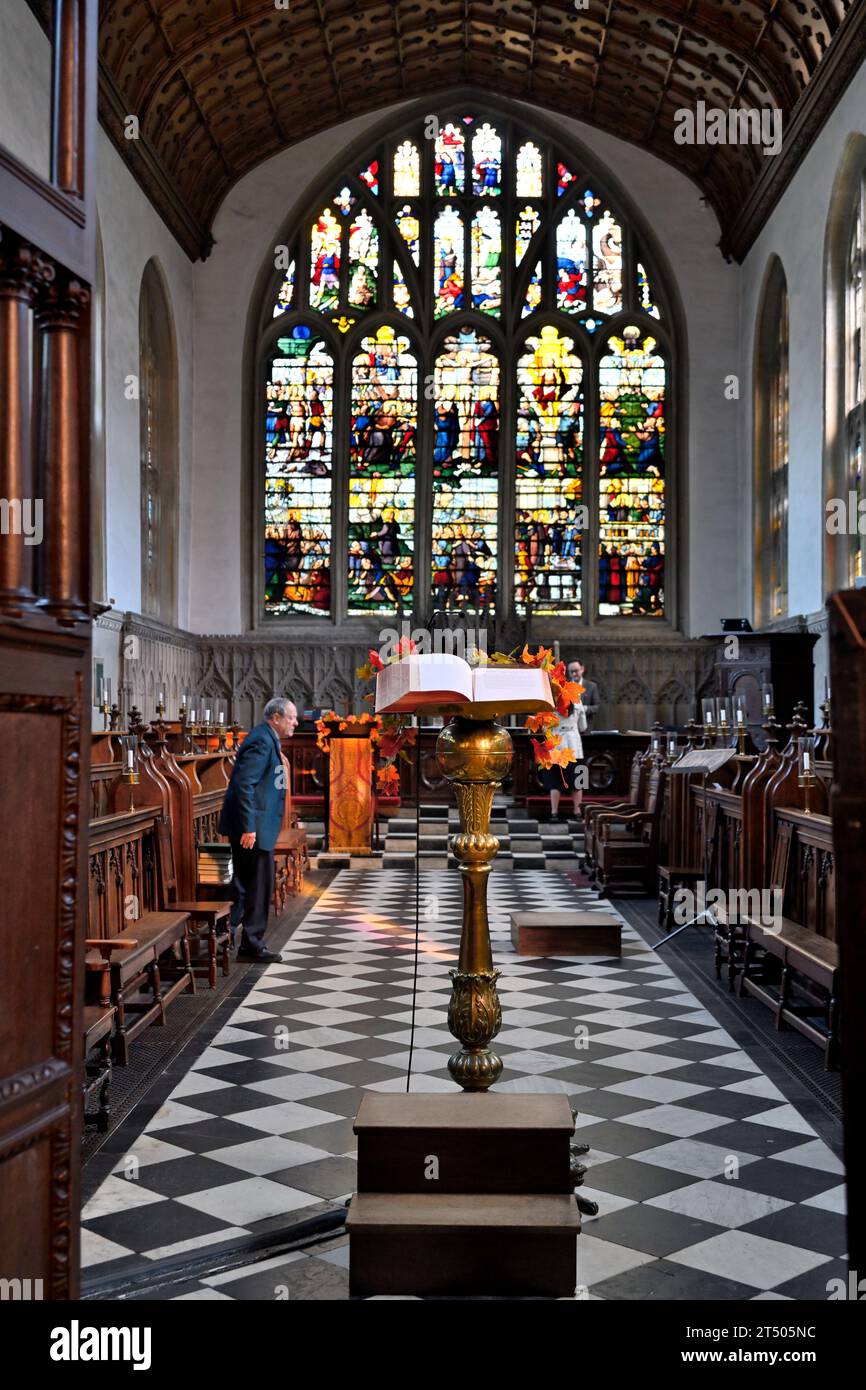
x=46 y=269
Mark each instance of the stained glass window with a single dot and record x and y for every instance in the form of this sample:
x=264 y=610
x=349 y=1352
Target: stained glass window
x=646 y=298
x=564 y=178
x=363 y=261
x=631 y=477
x=402 y=297
x=298 y=458
x=410 y=230
x=325 y=244
x=382 y=473
x=528 y=223
x=529 y=171
x=606 y=265
x=376 y=344
x=407 y=170
x=486 y=259
x=571 y=258
x=286 y=292
x=448 y=261
x=532 y=300
x=549 y=471
x=465 y=470
x=450 y=145
x=855 y=386
x=486 y=162
x=370 y=176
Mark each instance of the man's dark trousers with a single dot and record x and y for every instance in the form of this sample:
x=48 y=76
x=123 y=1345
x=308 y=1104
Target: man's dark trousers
x=252 y=888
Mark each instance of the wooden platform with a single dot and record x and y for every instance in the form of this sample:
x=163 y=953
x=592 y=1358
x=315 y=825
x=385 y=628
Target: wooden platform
x=566 y=933
x=450 y=1244
x=481 y=1143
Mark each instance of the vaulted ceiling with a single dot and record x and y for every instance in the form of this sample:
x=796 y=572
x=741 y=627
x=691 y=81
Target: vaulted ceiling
x=219 y=85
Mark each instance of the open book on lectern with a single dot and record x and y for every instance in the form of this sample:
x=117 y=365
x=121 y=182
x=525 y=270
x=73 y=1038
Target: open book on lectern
x=438 y=683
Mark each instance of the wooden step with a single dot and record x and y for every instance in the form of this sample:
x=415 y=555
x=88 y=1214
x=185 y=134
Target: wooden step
x=562 y=933
x=465 y=1142
x=460 y=1245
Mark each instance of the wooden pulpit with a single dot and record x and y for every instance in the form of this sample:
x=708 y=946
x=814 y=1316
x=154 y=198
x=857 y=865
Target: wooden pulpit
x=350 y=800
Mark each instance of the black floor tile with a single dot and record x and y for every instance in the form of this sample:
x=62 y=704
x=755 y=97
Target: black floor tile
x=624 y=1177
x=178 y=1177
x=325 y=1177
x=662 y=1282
x=651 y=1229
x=808 y=1227
x=155 y=1225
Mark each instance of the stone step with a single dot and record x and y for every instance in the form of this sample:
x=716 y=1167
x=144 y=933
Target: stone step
x=528 y=861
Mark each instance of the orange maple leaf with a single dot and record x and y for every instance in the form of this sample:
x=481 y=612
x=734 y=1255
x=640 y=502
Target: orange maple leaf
x=567 y=694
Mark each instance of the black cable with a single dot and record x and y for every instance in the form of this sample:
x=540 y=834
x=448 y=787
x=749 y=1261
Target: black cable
x=417 y=890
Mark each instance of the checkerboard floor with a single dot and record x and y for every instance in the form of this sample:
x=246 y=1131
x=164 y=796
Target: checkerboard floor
x=710 y=1183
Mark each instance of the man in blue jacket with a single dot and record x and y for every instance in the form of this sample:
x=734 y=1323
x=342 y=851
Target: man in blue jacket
x=251 y=817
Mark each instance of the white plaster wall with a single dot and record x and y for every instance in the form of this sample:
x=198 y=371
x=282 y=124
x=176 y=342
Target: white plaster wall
x=25 y=87
x=133 y=232
x=246 y=230
x=795 y=233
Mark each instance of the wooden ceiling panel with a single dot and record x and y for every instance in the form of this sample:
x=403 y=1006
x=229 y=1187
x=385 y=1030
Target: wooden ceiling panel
x=221 y=85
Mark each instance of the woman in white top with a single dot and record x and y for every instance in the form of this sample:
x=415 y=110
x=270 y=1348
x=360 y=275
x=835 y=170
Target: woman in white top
x=568 y=728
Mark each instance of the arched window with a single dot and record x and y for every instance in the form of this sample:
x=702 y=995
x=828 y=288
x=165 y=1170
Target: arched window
x=463 y=387
x=855 y=382
x=771 y=449
x=845 y=396
x=158 y=441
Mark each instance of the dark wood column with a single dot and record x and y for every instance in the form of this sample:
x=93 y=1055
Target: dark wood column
x=64 y=578
x=22 y=273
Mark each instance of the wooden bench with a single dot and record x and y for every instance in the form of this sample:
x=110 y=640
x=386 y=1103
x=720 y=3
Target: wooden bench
x=808 y=983
x=138 y=968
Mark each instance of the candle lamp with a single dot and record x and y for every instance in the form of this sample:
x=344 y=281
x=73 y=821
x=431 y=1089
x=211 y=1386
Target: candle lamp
x=708 y=721
x=673 y=750
x=767 y=699
x=129 y=762
x=724 y=719
x=806 y=770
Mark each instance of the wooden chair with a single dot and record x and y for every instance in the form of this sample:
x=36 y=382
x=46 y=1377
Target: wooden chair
x=207 y=920
x=291 y=853
x=627 y=843
x=593 y=812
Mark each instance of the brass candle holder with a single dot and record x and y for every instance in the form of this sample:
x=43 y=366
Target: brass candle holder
x=474 y=755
